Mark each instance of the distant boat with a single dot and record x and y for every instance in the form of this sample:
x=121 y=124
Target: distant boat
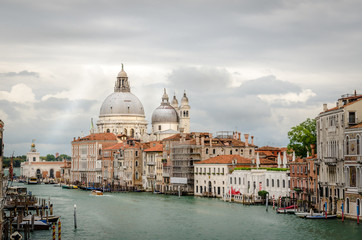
x=305 y=214
x=69 y=187
x=96 y=192
x=38 y=224
x=33 y=180
x=321 y=216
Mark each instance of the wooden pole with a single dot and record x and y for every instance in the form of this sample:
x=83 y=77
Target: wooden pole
x=75 y=216
x=267 y=201
x=59 y=230
x=53 y=227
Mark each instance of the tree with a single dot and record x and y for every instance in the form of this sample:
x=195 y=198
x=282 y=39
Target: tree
x=50 y=157
x=262 y=194
x=302 y=136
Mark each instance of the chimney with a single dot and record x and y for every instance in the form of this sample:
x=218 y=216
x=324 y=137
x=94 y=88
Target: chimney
x=325 y=108
x=210 y=140
x=239 y=136
x=312 y=146
x=246 y=139
x=252 y=140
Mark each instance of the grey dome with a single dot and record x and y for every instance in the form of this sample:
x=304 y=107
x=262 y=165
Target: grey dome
x=165 y=113
x=122 y=103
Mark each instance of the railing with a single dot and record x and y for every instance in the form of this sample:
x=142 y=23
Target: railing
x=151 y=163
x=330 y=160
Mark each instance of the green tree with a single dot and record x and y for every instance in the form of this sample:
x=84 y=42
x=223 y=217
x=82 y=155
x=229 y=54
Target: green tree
x=50 y=157
x=302 y=136
x=262 y=194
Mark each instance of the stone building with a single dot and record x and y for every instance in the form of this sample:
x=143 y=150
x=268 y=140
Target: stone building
x=35 y=167
x=86 y=166
x=331 y=142
x=1 y=176
x=169 y=119
x=122 y=112
x=353 y=170
x=152 y=165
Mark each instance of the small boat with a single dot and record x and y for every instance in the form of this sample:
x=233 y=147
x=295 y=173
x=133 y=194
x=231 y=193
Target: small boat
x=290 y=209
x=322 y=216
x=97 y=193
x=305 y=214
x=69 y=187
x=57 y=185
x=33 y=180
x=38 y=224
x=52 y=181
x=46 y=181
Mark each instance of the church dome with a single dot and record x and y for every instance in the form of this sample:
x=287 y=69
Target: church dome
x=184 y=100
x=122 y=74
x=122 y=103
x=165 y=114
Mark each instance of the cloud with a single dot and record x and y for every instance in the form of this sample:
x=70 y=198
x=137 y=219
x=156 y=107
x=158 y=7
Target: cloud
x=288 y=98
x=24 y=73
x=20 y=93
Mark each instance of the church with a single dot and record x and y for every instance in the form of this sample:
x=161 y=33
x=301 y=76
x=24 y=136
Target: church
x=122 y=113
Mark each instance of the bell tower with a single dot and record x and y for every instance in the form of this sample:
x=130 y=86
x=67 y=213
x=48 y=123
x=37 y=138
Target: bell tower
x=122 y=84
x=184 y=112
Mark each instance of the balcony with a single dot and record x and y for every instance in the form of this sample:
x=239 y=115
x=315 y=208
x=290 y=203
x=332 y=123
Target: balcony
x=330 y=160
x=165 y=174
x=151 y=176
x=151 y=163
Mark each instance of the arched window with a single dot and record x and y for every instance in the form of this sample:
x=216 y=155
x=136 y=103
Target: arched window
x=207 y=151
x=239 y=181
x=125 y=131
x=108 y=131
x=272 y=182
x=136 y=175
x=347 y=145
x=277 y=182
x=283 y=183
x=187 y=113
x=132 y=132
x=347 y=205
x=267 y=182
x=358 y=145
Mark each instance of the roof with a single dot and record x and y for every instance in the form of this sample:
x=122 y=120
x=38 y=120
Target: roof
x=357 y=126
x=157 y=148
x=97 y=136
x=343 y=106
x=115 y=147
x=226 y=159
x=268 y=148
x=46 y=163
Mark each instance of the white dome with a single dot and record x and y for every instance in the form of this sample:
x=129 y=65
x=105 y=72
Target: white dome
x=122 y=74
x=122 y=103
x=165 y=114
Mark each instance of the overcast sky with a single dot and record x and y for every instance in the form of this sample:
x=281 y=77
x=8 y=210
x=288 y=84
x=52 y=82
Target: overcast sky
x=259 y=67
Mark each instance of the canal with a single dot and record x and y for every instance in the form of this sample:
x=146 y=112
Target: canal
x=155 y=216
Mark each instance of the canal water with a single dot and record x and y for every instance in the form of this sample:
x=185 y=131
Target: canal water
x=155 y=216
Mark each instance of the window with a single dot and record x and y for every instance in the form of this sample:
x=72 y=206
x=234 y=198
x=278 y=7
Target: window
x=231 y=180
x=197 y=189
x=347 y=145
x=358 y=145
x=293 y=169
x=218 y=190
x=136 y=164
x=213 y=151
x=207 y=151
x=352 y=117
x=159 y=127
x=267 y=182
x=231 y=152
x=277 y=182
x=347 y=205
x=297 y=169
x=136 y=153
x=283 y=183
x=200 y=189
x=272 y=182
x=34 y=159
x=239 y=181
x=234 y=180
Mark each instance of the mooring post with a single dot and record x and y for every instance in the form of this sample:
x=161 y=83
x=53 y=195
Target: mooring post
x=51 y=209
x=59 y=230
x=267 y=201
x=179 y=192
x=342 y=207
x=75 y=216
x=32 y=222
x=357 y=214
x=53 y=228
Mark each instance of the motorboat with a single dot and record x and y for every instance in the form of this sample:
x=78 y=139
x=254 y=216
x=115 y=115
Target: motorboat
x=38 y=224
x=69 y=187
x=321 y=216
x=290 y=209
x=305 y=214
x=97 y=193
x=33 y=180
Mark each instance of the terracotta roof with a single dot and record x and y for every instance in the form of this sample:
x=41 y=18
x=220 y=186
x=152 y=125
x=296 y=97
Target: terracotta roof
x=357 y=126
x=157 y=148
x=115 y=147
x=335 y=108
x=97 y=136
x=226 y=159
x=268 y=148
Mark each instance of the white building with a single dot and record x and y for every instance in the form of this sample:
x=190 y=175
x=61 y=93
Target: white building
x=251 y=181
x=211 y=175
x=170 y=119
x=122 y=112
x=34 y=167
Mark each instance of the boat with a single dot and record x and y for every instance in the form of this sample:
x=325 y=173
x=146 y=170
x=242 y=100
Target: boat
x=18 y=191
x=97 y=193
x=322 y=216
x=304 y=214
x=290 y=209
x=38 y=224
x=33 y=180
x=69 y=187
x=52 y=181
x=46 y=181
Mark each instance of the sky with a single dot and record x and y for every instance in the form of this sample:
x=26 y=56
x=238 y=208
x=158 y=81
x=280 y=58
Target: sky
x=257 y=67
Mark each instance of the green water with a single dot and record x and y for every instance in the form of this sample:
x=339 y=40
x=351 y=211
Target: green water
x=152 y=216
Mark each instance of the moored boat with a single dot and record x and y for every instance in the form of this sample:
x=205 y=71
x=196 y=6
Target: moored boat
x=322 y=216
x=69 y=187
x=33 y=180
x=290 y=209
x=305 y=214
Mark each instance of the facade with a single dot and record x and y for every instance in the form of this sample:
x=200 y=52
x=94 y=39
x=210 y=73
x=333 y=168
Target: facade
x=86 y=166
x=211 y=175
x=1 y=176
x=169 y=119
x=65 y=172
x=299 y=182
x=331 y=125
x=152 y=165
x=353 y=171
x=122 y=112
x=34 y=167
x=250 y=181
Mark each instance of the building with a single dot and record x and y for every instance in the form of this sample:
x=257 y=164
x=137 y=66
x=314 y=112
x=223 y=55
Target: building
x=299 y=182
x=1 y=176
x=353 y=170
x=170 y=119
x=122 y=112
x=35 y=167
x=211 y=175
x=152 y=165
x=65 y=172
x=332 y=145
x=86 y=166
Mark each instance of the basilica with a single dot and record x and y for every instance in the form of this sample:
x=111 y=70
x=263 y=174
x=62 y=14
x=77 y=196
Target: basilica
x=122 y=113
